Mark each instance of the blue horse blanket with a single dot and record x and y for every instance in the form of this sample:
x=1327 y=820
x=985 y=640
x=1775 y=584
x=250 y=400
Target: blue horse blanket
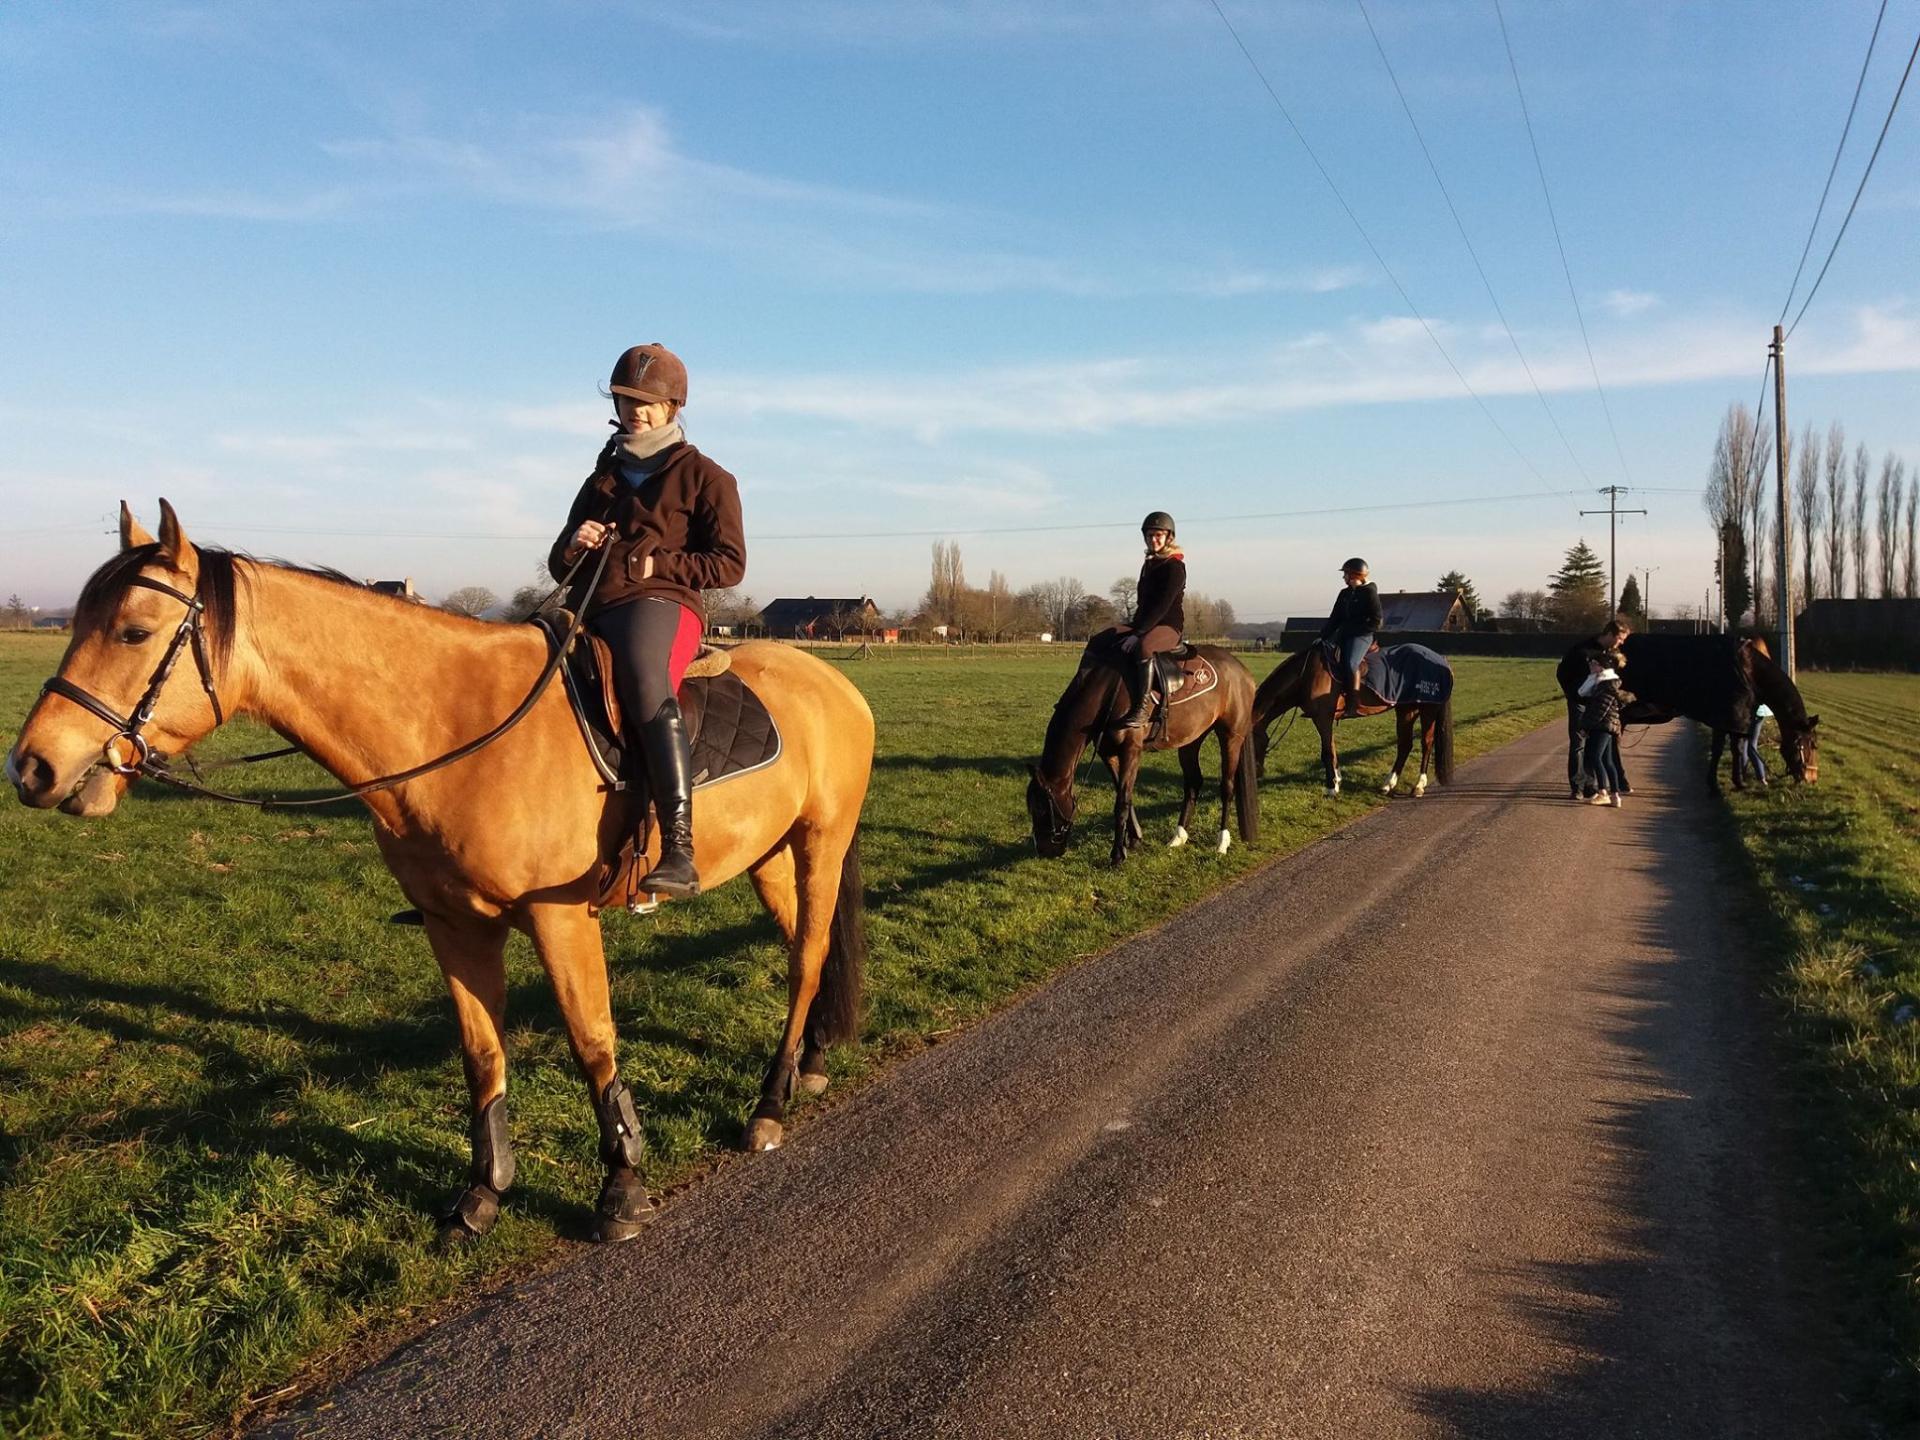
x=1408 y=675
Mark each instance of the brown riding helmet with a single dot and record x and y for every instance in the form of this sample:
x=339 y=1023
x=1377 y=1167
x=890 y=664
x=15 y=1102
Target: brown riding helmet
x=650 y=372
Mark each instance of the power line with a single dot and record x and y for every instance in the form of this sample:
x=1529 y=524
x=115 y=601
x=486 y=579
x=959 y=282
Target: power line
x=1407 y=299
x=1457 y=501
x=1862 y=186
x=1845 y=130
x=1460 y=225
x=1572 y=293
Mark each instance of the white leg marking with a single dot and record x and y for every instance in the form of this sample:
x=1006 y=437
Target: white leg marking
x=1179 y=837
x=1393 y=784
x=1420 y=786
x=1226 y=842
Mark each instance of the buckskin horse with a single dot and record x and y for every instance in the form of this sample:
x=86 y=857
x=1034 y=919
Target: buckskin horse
x=1717 y=680
x=1304 y=682
x=511 y=837
x=1086 y=713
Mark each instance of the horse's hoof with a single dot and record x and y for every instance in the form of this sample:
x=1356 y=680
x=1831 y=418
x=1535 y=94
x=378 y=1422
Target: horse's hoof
x=1179 y=837
x=468 y=1216
x=762 y=1134
x=1226 y=843
x=1331 y=792
x=623 y=1210
x=1118 y=858
x=812 y=1084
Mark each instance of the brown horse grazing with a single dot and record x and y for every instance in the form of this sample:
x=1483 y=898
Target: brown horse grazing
x=1303 y=681
x=1097 y=697
x=509 y=838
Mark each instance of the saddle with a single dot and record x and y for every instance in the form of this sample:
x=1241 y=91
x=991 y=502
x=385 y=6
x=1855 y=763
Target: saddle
x=729 y=732
x=1179 y=675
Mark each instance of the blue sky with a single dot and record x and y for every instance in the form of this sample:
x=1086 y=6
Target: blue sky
x=340 y=280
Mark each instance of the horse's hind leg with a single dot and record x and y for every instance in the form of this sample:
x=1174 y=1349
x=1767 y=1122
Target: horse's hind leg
x=470 y=956
x=1191 y=779
x=1229 y=778
x=811 y=878
x=1403 y=743
x=567 y=940
x=1427 y=721
x=774 y=879
x=1329 y=757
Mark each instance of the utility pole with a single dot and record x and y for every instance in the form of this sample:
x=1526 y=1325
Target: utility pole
x=1613 y=512
x=1783 y=550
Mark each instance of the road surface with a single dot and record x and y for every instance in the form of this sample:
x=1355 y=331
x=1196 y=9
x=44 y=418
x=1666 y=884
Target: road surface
x=1463 y=1122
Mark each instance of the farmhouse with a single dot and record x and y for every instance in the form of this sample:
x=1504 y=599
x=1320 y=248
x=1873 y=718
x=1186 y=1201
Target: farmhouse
x=1421 y=611
x=816 y=617
x=402 y=588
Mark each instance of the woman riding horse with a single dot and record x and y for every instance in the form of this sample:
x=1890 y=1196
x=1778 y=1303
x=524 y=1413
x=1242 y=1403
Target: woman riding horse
x=1350 y=628
x=672 y=517
x=1158 y=613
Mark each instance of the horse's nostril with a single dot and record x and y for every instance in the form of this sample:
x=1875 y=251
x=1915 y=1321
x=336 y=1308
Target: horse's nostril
x=32 y=776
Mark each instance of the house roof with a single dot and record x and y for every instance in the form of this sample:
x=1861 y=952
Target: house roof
x=1417 y=609
x=792 y=611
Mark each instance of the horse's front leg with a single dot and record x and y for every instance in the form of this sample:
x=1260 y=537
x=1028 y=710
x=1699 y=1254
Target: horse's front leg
x=471 y=957
x=801 y=891
x=1126 y=769
x=1191 y=780
x=567 y=939
x=1329 y=757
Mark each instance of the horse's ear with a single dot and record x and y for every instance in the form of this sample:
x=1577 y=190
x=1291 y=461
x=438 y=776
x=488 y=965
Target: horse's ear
x=132 y=532
x=1812 y=721
x=174 y=547
x=1033 y=773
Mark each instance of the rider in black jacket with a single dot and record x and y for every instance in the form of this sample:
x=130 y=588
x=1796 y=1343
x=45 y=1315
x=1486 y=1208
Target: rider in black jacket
x=1356 y=616
x=1159 y=613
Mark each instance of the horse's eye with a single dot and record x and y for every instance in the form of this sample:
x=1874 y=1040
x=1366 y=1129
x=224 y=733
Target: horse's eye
x=134 y=635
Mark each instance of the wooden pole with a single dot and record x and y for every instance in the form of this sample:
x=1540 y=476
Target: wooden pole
x=1783 y=548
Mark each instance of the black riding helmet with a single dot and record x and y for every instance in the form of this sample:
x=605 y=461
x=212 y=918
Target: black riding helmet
x=1158 y=520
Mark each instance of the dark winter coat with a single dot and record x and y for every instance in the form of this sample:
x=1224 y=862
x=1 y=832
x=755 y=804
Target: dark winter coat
x=1600 y=710
x=686 y=516
x=1356 y=612
x=1162 y=594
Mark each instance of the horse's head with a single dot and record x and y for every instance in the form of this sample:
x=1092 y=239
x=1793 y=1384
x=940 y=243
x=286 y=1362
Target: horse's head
x=121 y=692
x=1051 y=811
x=1800 y=748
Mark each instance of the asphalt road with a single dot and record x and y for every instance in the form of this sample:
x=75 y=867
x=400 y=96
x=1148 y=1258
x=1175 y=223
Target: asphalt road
x=1463 y=1122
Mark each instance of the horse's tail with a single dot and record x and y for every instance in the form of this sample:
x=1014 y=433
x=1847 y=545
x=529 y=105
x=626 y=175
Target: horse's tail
x=1246 y=790
x=1443 y=744
x=834 y=1016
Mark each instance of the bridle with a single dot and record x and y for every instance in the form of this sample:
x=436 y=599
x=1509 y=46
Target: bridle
x=192 y=631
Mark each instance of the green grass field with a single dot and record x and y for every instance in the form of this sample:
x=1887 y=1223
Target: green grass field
x=230 y=1092
x=1839 y=863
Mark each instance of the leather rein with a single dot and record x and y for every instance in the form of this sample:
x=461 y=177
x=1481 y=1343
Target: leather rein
x=128 y=752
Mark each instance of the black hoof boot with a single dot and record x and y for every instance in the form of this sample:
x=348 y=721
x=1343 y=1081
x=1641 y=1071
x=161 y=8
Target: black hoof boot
x=472 y=1212
x=468 y=1216
x=670 y=773
x=624 y=1208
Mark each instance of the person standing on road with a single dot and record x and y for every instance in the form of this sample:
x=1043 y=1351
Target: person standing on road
x=672 y=520
x=1601 y=698
x=1350 y=628
x=1159 y=612
x=1611 y=640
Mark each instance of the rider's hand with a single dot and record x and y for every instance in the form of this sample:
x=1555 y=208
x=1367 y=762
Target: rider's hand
x=1129 y=644
x=590 y=536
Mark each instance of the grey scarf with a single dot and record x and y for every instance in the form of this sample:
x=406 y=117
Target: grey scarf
x=649 y=443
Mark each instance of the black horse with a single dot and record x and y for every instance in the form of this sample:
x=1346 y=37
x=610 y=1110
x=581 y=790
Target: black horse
x=1715 y=679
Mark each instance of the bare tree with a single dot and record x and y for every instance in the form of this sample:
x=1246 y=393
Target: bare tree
x=1913 y=539
x=1760 y=522
x=1862 y=471
x=1734 y=495
x=947 y=584
x=1892 y=484
x=1836 y=477
x=470 y=600
x=1808 y=511
x=1125 y=594
x=17 y=613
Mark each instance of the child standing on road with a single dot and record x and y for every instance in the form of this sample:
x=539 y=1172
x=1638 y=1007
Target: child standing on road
x=1600 y=725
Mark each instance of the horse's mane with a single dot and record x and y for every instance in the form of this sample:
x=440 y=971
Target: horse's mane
x=221 y=576
x=1774 y=686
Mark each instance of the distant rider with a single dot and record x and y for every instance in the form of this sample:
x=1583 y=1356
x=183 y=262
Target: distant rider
x=1158 y=613
x=1350 y=628
x=672 y=518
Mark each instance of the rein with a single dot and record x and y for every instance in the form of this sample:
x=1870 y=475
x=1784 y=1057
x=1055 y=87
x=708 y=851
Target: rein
x=141 y=759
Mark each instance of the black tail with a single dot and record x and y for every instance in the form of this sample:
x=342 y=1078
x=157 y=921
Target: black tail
x=1246 y=792
x=1443 y=744
x=834 y=1016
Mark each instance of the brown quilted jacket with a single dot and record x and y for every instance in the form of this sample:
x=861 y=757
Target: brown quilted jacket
x=686 y=516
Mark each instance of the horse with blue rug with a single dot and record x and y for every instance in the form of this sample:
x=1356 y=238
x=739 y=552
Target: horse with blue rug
x=1410 y=680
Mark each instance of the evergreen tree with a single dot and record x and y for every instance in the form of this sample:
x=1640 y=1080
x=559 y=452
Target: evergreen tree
x=1631 y=602
x=1579 y=590
x=1453 y=582
x=1733 y=544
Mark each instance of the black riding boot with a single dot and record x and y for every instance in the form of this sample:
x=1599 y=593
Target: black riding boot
x=670 y=775
x=1136 y=718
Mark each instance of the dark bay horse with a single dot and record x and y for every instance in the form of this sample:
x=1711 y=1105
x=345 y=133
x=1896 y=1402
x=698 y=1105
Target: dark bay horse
x=1097 y=697
x=508 y=838
x=1302 y=681
x=1717 y=680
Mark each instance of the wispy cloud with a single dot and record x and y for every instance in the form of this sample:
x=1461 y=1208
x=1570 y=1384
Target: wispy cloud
x=1627 y=303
